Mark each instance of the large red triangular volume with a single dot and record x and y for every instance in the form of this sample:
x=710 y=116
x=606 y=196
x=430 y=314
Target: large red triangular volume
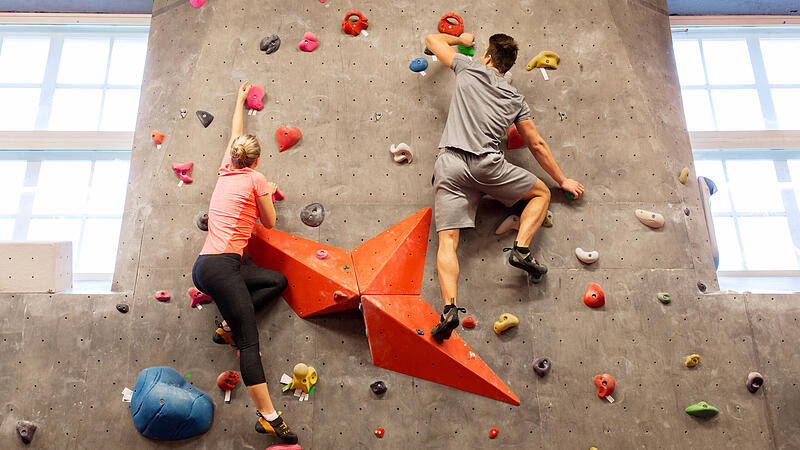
x=392 y=321
x=316 y=286
x=393 y=261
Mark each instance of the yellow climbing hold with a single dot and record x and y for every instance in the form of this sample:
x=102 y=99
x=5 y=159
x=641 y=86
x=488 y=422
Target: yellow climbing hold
x=692 y=360
x=684 y=175
x=304 y=378
x=544 y=60
x=506 y=321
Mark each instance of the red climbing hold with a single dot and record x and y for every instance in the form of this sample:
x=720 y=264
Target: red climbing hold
x=157 y=137
x=594 y=296
x=357 y=26
x=162 y=296
x=227 y=380
x=255 y=97
x=493 y=433
x=514 y=138
x=605 y=385
x=198 y=298
x=379 y=432
x=287 y=137
x=182 y=171
x=309 y=42
x=448 y=28
x=277 y=196
x=468 y=322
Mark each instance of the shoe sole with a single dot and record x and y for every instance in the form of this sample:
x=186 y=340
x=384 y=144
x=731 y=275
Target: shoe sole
x=446 y=332
x=530 y=270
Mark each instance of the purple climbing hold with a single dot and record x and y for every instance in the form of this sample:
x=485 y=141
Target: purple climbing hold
x=541 y=366
x=202 y=221
x=701 y=286
x=205 y=117
x=378 y=387
x=270 y=44
x=122 y=307
x=25 y=430
x=754 y=381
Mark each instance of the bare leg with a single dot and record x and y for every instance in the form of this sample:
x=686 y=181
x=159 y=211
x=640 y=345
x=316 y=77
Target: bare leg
x=532 y=216
x=260 y=396
x=447 y=265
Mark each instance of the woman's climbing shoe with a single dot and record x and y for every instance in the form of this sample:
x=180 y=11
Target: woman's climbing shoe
x=525 y=261
x=222 y=336
x=447 y=323
x=276 y=427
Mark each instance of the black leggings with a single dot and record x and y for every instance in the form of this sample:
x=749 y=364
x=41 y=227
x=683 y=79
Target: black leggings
x=239 y=290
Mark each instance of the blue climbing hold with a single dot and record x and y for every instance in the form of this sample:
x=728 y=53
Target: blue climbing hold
x=418 y=64
x=165 y=406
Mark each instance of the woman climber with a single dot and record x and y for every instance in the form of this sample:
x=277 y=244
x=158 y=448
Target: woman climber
x=241 y=196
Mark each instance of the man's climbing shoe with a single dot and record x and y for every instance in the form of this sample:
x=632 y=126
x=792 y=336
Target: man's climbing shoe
x=447 y=323
x=525 y=262
x=276 y=427
x=221 y=336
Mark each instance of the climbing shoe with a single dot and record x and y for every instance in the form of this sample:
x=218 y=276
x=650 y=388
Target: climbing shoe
x=525 y=261
x=447 y=323
x=221 y=336
x=276 y=427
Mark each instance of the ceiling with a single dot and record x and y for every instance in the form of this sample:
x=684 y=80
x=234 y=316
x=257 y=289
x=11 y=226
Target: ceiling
x=736 y=7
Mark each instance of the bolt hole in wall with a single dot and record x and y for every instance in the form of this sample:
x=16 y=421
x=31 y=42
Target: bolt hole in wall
x=741 y=90
x=69 y=97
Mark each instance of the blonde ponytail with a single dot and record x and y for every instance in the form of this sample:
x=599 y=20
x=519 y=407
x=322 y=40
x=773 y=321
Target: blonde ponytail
x=245 y=150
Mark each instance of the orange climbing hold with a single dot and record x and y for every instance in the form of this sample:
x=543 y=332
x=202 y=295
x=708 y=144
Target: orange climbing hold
x=157 y=137
x=287 y=137
x=605 y=385
x=493 y=433
x=514 y=138
x=446 y=27
x=354 y=27
x=594 y=296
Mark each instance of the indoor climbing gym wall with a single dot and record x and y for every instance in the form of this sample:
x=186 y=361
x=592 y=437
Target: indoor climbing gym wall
x=641 y=349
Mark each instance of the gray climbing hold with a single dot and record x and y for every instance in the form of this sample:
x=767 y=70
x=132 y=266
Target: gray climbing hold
x=754 y=381
x=313 y=214
x=183 y=113
x=205 y=117
x=122 y=307
x=202 y=221
x=541 y=366
x=378 y=387
x=270 y=44
x=25 y=430
x=701 y=286
x=686 y=211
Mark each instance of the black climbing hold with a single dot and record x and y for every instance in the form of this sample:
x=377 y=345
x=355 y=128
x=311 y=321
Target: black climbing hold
x=378 y=387
x=428 y=51
x=686 y=211
x=205 y=117
x=420 y=332
x=313 y=214
x=754 y=381
x=25 y=430
x=122 y=307
x=202 y=221
x=701 y=286
x=270 y=44
x=541 y=366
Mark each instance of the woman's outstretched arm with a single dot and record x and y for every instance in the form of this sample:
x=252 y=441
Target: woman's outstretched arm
x=237 y=125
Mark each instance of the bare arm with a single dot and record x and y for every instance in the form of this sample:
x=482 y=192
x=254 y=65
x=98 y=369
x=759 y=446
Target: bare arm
x=237 y=125
x=266 y=209
x=440 y=45
x=541 y=151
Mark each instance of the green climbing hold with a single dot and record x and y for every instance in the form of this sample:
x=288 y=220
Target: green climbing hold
x=188 y=376
x=702 y=409
x=569 y=195
x=664 y=297
x=469 y=51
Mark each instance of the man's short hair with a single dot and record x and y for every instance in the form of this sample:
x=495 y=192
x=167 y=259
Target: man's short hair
x=503 y=50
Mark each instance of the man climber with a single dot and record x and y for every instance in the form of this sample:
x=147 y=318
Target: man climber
x=470 y=162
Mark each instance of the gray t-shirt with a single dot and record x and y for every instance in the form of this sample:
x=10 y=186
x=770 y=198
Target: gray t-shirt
x=484 y=105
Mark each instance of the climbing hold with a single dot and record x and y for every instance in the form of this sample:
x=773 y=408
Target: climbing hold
x=183 y=113
x=541 y=366
x=286 y=446
x=197 y=3
x=420 y=332
x=468 y=322
x=205 y=117
x=122 y=307
x=202 y=220
x=25 y=430
x=686 y=211
x=569 y=195
x=548 y=219
x=514 y=138
x=162 y=296
x=692 y=360
x=605 y=385
x=270 y=44
x=357 y=26
x=701 y=286
x=754 y=381
x=287 y=137
x=165 y=406
x=447 y=26
x=649 y=218
x=304 y=378
x=157 y=137
x=586 y=257
x=684 y=174
x=322 y=254
x=312 y=214
x=702 y=409
x=544 y=60
x=509 y=223
x=562 y=116
x=379 y=432
x=594 y=296
x=197 y=298
x=277 y=196
x=428 y=51
x=227 y=382
x=469 y=51
x=506 y=321
x=418 y=65
x=182 y=171
x=255 y=97
x=401 y=153
x=664 y=297
x=309 y=42
x=493 y=433
x=378 y=387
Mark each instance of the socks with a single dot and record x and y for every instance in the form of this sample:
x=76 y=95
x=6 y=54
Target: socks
x=271 y=417
x=524 y=251
x=448 y=307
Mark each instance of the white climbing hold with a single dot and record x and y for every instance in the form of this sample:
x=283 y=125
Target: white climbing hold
x=649 y=218
x=508 y=77
x=508 y=224
x=401 y=153
x=587 y=257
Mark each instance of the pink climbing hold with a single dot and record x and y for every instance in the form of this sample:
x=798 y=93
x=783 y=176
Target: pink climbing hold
x=287 y=446
x=255 y=97
x=322 y=254
x=277 y=196
x=309 y=42
x=287 y=137
x=182 y=171
x=162 y=296
x=514 y=138
x=198 y=298
x=197 y=3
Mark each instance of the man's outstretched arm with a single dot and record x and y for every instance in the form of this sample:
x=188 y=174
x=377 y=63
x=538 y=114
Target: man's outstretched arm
x=541 y=151
x=440 y=45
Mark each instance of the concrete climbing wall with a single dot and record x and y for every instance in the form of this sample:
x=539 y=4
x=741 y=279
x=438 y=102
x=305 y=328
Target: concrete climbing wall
x=67 y=357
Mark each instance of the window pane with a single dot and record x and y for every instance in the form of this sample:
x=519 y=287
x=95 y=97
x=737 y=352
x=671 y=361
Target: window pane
x=767 y=243
x=6 y=229
x=728 y=62
x=62 y=187
x=737 y=109
x=57 y=230
x=109 y=184
x=787 y=108
x=99 y=247
x=754 y=186
x=83 y=61
x=689 y=62
x=720 y=202
x=697 y=109
x=18 y=108
x=127 y=61
x=75 y=110
x=11 y=185
x=730 y=257
x=120 y=108
x=781 y=60
x=794 y=172
x=23 y=59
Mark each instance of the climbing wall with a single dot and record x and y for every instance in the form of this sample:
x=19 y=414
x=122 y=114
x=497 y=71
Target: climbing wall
x=612 y=115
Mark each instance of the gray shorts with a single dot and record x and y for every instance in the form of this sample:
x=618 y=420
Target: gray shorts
x=461 y=178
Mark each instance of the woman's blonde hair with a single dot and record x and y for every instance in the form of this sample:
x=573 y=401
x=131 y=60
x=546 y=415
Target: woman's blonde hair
x=245 y=150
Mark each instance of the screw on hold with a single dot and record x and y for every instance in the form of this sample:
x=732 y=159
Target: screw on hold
x=420 y=332
x=205 y=117
x=664 y=297
x=493 y=433
x=183 y=113
x=541 y=366
x=692 y=360
x=122 y=307
x=379 y=432
x=754 y=381
x=202 y=221
x=686 y=211
x=378 y=387
x=562 y=116
x=701 y=286
x=702 y=409
x=312 y=214
x=25 y=430
x=378 y=116
x=270 y=44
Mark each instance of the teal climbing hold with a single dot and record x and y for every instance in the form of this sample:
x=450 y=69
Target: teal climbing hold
x=469 y=51
x=702 y=409
x=664 y=297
